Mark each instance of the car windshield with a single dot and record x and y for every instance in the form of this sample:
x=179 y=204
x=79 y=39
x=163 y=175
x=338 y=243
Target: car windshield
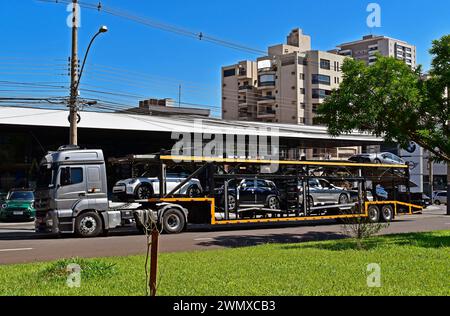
x=20 y=196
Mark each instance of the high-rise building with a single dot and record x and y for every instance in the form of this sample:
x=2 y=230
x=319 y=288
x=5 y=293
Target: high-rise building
x=286 y=86
x=366 y=49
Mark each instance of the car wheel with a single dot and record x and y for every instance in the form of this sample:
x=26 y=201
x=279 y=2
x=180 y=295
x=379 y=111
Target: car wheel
x=374 y=214
x=173 y=221
x=437 y=202
x=273 y=203
x=343 y=199
x=387 y=213
x=88 y=225
x=144 y=192
x=193 y=191
x=377 y=161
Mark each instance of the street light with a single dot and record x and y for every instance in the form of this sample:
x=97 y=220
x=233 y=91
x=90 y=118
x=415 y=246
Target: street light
x=103 y=29
x=75 y=81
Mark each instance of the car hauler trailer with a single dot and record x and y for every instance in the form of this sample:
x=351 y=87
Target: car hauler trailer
x=72 y=192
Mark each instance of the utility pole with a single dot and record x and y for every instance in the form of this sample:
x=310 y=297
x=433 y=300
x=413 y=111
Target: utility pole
x=179 y=96
x=73 y=102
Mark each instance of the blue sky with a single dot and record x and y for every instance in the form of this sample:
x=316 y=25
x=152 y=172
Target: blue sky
x=35 y=40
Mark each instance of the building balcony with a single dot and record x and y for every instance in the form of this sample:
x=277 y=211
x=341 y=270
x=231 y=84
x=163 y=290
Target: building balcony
x=245 y=88
x=266 y=113
x=266 y=100
x=267 y=85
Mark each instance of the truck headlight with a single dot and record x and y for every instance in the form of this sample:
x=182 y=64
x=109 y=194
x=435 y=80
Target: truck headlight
x=4 y=205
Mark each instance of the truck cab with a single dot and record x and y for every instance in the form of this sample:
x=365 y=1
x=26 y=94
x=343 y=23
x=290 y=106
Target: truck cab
x=72 y=197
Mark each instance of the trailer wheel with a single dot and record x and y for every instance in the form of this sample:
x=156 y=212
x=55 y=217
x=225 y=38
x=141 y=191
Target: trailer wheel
x=387 y=213
x=173 y=221
x=374 y=214
x=88 y=225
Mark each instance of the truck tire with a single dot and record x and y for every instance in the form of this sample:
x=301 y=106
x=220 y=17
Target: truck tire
x=88 y=225
x=387 y=213
x=374 y=214
x=173 y=221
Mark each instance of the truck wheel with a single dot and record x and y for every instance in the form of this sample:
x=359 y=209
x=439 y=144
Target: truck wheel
x=88 y=225
x=173 y=221
x=374 y=214
x=387 y=213
x=144 y=192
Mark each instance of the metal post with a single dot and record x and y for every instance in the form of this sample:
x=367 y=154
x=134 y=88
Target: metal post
x=225 y=197
x=448 y=188
x=73 y=102
x=154 y=262
x=162 y=181
x=431 y=174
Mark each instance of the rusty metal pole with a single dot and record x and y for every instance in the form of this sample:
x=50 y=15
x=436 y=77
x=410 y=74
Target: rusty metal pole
x=154 y=261
x=73 y=103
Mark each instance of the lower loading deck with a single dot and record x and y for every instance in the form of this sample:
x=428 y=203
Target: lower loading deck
x=204 y=211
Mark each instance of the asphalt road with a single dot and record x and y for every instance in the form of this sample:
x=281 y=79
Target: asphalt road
x=19 y=243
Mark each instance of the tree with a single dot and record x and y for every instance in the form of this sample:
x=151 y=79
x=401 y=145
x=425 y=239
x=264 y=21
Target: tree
x=391 y=100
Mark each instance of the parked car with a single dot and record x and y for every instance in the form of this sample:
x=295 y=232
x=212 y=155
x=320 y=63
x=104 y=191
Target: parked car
x=144 y=187
x=18 y=205
x=380 y=158
x=322 y=191
x=440 y=198
x=250 y=193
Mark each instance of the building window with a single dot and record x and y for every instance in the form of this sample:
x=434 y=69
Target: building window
x=321 y=79
x=302 y=91
x=267 y=80
x=229 y=72
x=315 y=107
x=325 y=64
x=320 y=93
x=302 y=61
x=302 y=76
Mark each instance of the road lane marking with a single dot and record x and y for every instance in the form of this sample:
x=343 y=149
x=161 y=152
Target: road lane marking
x=18 y=249
x=203 y=239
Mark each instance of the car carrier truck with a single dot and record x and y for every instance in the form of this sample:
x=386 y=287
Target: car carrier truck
x=72 y=192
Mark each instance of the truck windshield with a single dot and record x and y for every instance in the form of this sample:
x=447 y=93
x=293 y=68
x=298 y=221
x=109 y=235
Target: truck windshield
x=45 y=178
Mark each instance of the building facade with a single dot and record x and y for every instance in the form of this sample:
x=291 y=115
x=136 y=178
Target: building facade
x=286 y=86
x=367 y=48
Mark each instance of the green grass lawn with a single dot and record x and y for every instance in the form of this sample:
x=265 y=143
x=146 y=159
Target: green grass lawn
x=412 y=264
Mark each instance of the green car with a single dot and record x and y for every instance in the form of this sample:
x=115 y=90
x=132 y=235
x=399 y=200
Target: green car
x=18 y=206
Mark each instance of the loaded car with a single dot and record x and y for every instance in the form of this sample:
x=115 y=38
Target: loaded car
x=18 y=206
x=323 y=192
x=250 y=193
x=380 y=158
x=440 y=198
x=145 y=187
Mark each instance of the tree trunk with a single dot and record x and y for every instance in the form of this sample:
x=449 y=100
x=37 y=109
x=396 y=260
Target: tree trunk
x=448 y=188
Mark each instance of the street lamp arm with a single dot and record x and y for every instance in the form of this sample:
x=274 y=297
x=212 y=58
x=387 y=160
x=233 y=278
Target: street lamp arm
x=102 y=30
